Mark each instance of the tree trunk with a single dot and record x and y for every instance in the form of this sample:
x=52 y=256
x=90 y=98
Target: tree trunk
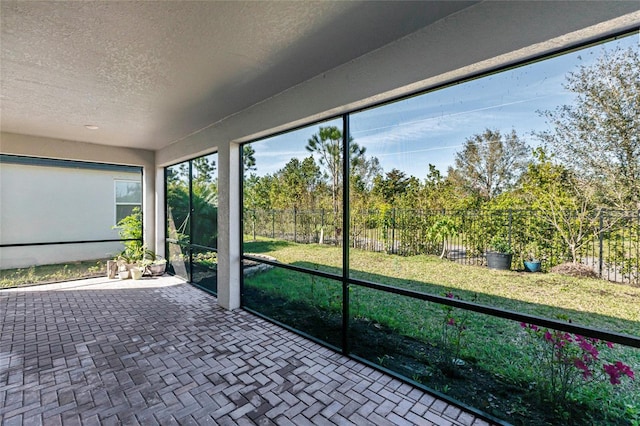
x=444 y=249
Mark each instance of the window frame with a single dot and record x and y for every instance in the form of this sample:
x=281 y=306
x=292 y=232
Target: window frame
x=348 y=281
x=115 y=198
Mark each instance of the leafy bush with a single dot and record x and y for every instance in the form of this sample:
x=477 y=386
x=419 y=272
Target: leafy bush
x=568 y=361
x=501 y=245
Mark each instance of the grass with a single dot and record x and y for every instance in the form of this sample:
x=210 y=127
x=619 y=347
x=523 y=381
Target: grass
x=497 y=351
x=42 y=274
x=586 y=301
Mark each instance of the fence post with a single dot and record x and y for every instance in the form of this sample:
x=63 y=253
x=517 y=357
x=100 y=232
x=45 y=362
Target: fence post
x=510 y=224
x=637 y=249
x=601 y=244
x=322 y=226
x=393 y=231
x=295 y=224
x=254 y=225
x=446 y=244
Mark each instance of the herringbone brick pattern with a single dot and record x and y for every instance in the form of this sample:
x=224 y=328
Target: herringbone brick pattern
x=163 y=352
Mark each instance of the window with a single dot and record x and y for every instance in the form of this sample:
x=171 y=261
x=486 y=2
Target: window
x=192 y=220
x=128 y=197
x=385 y=256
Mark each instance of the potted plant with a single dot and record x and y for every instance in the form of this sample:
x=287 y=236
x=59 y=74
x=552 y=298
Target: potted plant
x=124 y=271
x=136 y=261
x=532 y=262
x=136 y=272
x=153 y=264
x=129 y=228
x=501 y=254
x=128 y=260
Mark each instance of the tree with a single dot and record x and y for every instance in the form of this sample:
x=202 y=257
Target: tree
x=178 y=174
x=257 y=192
x=364 y=172
x=394 y=185
x=598 y=136
x=203 y=170
x=204 y=213
x=443 y=228
x=439 y=193
x=361 y=182
x=490 y=163
x=298 y=181
x=562 y=200
x=204 y=202
x=178 y=201
x=249 y=158
x=327 y=144
x=192 y=216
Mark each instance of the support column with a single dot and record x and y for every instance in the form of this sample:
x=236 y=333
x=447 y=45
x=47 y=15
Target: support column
x=149 y=205
x=229 y=226
x=159 y=207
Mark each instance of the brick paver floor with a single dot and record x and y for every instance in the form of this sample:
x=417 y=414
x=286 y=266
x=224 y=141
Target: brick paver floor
x=160 y=351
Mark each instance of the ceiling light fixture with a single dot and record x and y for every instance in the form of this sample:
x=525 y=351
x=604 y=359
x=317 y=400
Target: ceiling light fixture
x=91 y=126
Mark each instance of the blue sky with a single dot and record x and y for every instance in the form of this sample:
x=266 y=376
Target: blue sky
x=431 y=128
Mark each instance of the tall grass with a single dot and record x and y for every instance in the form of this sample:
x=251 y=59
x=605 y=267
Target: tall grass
x=43 y=274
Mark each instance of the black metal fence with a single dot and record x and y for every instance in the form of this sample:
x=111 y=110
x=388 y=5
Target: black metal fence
x=608 y=241
x=300 y=226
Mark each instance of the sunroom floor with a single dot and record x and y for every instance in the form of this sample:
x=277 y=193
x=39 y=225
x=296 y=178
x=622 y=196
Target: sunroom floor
x=160 y=351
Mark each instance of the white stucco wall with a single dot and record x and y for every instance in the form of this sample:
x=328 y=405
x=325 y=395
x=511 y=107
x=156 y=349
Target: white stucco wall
x=40 y=204
x=36 y=146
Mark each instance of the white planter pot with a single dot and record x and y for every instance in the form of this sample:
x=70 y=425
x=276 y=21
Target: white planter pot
x=136 y=273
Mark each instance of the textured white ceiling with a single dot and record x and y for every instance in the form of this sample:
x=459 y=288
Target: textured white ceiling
x=151 y=73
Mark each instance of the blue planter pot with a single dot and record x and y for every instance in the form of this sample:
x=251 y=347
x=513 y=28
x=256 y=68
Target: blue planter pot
x=532 y=266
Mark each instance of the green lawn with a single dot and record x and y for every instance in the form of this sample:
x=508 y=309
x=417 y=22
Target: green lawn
x=586 y=301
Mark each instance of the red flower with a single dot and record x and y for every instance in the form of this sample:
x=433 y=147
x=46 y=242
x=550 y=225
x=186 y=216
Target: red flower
x=615 y=371
x=589 y=348
x=586 y=373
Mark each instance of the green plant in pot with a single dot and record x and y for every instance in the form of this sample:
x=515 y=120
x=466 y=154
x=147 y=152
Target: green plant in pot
x=138 y=261
x=532 y=262
x=153 y=264
x=130 y=262
x=500 y=254
x=130 y=229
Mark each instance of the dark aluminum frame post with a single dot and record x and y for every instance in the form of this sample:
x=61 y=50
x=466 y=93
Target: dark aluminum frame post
x=346 y=158
x=165 y=225
x=241 y=217
x=191 y=214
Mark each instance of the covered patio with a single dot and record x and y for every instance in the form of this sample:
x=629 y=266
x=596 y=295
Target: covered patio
x=103 y=351
x=159 y=85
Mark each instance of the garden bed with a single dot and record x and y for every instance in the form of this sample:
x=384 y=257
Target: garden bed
x=466 y=381
x=401 y=334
